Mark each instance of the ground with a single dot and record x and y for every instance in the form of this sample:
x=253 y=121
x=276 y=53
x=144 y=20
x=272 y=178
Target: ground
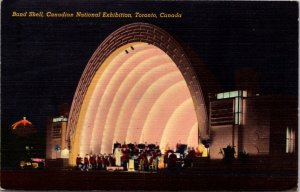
x=227 y=178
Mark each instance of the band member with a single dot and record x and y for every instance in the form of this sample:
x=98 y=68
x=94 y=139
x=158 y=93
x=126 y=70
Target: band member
x=141 y=160
x=189 y=158
x=172 y=161
x=152 y=160
x=135 y=150
x=99 y=162
x=86 y=162
x=146 y=163
x=124 y=148
x=78 y=162
x=112 y=161
x=105 y=162
x=92 y=161
x=156 y=146
x=197 y=152
x=124 y=145
x=124 y=161
x=116 y=145
x=178 y=147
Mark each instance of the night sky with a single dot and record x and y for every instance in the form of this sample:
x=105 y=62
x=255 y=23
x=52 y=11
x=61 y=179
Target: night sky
x=43 y=59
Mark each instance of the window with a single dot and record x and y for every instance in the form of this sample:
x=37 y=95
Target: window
x=60 y=119
x=290 y=140
x=56 y=131
x=220 y=96
x=238 y=103
x=233 y=93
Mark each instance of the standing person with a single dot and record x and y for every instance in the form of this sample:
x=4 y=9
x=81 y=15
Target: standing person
x=92 y=162
x=111 y=160
x=98 y=162
x=106 y=161
x=178 y=147
x=116 y=145
x=124 y=145
x=78 y=162
x=86 y=162
x=135 y=150
x=124 y=160
x=102 y=162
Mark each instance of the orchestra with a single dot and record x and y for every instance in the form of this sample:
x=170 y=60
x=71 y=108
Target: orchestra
x=146 y=157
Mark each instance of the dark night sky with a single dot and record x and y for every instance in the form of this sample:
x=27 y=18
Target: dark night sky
x=42 y=59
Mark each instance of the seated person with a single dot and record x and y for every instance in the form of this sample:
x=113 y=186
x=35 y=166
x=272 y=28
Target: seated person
x=172 y=160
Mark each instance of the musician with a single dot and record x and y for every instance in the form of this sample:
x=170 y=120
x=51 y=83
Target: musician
x=124 y=148
x=124 y=161
x=112 y=161
x=166 y=157
x=92 y=161
x=124 y=145
x=178 y=145
x=116 y=145
x=153 y=158
x=135 y=150
x=189 y=158
x=158 y=152
x=146 y=162
x=105 y=161
x=172 y=161
x=156 y=146
x=78 y=162
x=197 y=152
x=86 y=162
x=99 y=162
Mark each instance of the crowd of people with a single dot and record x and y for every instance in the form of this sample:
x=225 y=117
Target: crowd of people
x=143 y=157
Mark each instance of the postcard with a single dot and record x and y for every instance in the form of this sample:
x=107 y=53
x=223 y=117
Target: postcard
x=154 y=95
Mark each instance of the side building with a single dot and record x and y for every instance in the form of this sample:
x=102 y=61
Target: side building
x=57 y=147
x=258 y=125
x=56 y=137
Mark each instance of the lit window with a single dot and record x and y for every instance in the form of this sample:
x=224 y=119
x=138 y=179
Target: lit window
x=233 y=94
x=240 y=93
x=290 y=140
x=220 y=96
x=226 y=95
x=238 y=110
x=236 y=118
x=236 y=105
x=60 y=119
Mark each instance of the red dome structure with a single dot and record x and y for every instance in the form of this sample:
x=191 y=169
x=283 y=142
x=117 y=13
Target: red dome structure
x=23 y=128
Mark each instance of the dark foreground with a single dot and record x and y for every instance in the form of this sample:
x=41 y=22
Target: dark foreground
x=190 y=179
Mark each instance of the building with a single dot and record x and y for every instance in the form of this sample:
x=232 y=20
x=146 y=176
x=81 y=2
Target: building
x=56 y=137
x=257 y=125
x=57 y=143
x=165 y=95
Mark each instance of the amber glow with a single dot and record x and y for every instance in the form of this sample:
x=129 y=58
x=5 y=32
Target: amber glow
x=136 y=97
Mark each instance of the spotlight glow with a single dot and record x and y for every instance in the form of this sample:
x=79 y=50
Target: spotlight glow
x=136 y=97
